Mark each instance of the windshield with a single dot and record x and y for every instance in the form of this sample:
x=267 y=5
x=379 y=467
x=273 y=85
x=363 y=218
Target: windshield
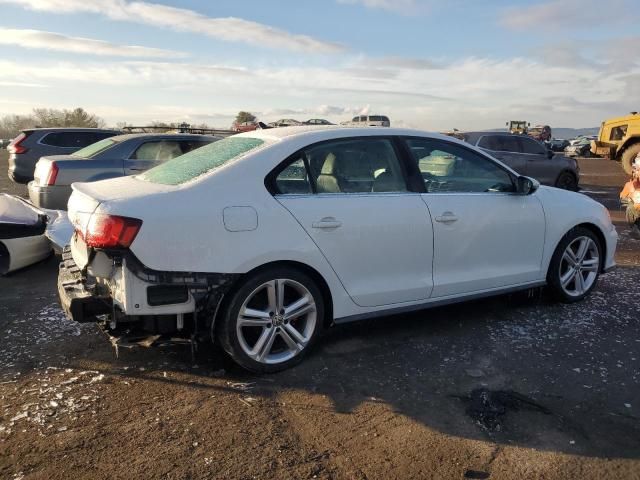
x=95 y=148
x=200 y=161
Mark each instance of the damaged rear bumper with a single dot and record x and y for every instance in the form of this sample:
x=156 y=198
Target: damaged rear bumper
x=127 y=298
x=78 y=302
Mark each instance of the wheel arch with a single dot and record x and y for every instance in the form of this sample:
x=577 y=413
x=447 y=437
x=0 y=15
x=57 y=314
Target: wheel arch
x=304 y=268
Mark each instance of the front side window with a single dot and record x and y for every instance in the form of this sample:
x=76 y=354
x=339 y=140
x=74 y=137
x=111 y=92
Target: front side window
x=202 y=160
x=447 y=167
x=618 y=133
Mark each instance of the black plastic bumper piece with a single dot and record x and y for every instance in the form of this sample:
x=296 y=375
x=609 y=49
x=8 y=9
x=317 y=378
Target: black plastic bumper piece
x=79 y=303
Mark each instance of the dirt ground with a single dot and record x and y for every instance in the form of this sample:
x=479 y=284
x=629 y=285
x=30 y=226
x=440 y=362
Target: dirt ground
x=505 y=388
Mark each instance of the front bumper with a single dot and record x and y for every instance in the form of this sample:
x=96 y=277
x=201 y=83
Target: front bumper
x=52 y=197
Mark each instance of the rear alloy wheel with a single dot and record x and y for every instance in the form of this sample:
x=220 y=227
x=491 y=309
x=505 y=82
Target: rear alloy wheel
x=575 y=265
x=567 y=181
x=272 y=320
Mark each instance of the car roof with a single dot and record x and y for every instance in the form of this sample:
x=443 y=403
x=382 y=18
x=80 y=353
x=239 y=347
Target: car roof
x=69 y=129
x=161 y=136
x=473 y=137
x=318 y=133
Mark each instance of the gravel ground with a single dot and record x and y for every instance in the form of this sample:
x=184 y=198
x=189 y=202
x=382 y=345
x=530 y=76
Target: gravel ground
x=511 y=387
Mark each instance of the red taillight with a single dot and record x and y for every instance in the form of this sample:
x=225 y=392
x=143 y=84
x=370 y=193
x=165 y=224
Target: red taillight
x=15 y=147
x=109 y=231
x=52 y=175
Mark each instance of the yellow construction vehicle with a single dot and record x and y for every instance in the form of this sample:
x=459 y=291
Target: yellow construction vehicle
x=619 y=139
x=518 y=126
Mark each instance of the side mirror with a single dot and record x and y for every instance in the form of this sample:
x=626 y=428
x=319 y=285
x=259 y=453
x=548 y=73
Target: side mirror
x=526 y=185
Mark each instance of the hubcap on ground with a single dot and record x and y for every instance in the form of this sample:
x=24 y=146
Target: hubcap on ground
x=579 y=266
x=276 y=321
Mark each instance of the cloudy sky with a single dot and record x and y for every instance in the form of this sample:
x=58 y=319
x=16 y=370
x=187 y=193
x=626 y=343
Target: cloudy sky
x=430 y=64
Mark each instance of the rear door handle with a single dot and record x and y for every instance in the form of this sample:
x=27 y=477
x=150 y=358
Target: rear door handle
x=447 y=217
x=326 y=223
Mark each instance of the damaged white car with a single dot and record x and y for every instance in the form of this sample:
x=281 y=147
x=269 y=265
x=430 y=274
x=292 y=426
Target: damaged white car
x=29 y=234
x=261 y=240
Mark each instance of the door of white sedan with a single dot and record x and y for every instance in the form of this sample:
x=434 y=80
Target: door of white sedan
x=486 y=236
x=376 y=235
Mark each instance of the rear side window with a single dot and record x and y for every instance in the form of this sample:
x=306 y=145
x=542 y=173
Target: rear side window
x=500 y=143
x=378 y=118
x=161 y=151
x=364 y=165
x=95 y=148
x=73 y=139
x=188 y=145
x=203 y=160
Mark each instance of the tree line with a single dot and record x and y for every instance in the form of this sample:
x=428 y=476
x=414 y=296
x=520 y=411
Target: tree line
x=10 y=125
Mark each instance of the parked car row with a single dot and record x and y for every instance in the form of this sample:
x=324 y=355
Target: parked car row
x=109 y=158
x=31 y=144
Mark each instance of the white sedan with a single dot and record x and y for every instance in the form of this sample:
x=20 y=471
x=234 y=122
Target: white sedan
x=261 y=240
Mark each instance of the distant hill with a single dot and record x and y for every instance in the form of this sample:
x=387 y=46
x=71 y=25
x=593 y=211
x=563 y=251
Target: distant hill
x=573 y=132
x=559 y=132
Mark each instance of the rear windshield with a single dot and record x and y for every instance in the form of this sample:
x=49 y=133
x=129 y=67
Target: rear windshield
x=203 y=160
x=94 y=149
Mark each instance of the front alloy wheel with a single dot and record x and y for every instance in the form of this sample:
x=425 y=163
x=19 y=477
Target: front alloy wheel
x=272 y=320
x=575 y=265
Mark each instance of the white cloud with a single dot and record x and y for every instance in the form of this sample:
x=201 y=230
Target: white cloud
x=55 y=41
x=563 y=14
x=472 y=93
x=398 y=6
x=181 y=19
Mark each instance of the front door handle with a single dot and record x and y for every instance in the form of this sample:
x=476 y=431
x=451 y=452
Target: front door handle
x=447 y=217
x=326 y=223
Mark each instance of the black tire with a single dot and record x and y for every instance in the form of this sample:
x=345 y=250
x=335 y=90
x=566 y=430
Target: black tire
x=226 y=325
x=628 y=156
x=567 y=181
x=554 y=273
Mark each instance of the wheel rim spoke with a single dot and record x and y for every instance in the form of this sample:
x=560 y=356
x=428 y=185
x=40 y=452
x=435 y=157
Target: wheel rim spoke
x=582 y=249
x=570 y=257
x=567 y=277
x=263 y=346
x=295 y=334
x=289 y=340
x=298 y=308
x=579 y=284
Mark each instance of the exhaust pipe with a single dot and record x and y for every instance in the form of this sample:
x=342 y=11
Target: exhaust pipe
x=16 y=253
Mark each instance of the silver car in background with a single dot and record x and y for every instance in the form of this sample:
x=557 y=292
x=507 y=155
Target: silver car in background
x=31 y=144
x=112 y=157
x=529 y=157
